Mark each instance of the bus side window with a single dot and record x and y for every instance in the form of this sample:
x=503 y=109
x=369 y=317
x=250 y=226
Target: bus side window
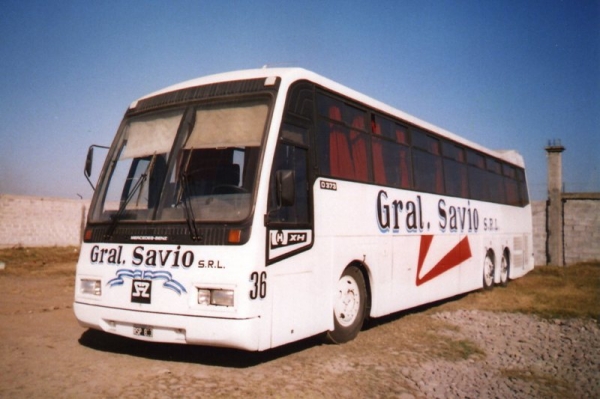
x=427 y=162
x=477 y=176
x=524 y=196
x=290 y=157
x=358 y=145
x=391 y=156
x=510 y=185
x=340 y=156
x=455 y=170
x=497 y=192
x=379 y=172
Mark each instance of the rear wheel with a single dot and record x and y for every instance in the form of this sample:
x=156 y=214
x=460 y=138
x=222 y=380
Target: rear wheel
x=504 y=269
x=349 y=306
x=488 y=271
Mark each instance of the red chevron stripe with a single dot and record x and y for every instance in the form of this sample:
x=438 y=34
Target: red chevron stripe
x=457 y=255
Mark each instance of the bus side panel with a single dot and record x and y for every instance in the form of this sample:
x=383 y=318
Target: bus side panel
x=345 y=216
x=302 y=303
x=417 y=247
x=521 y=244
x=471 y=277
x=428 y=268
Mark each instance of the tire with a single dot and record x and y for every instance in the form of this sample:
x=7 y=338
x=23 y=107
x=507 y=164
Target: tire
x=504 y=269
x=488 y=271
x=349 y=307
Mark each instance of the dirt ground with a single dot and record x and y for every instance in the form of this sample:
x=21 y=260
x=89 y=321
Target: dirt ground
x=45 y=353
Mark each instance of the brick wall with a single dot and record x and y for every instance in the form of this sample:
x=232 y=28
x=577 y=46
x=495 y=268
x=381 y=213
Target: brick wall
x=41 y=222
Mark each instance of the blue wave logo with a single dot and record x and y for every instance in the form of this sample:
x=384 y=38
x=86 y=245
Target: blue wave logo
x=169 y=283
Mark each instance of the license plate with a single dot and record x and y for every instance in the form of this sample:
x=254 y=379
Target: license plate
x=142 y=331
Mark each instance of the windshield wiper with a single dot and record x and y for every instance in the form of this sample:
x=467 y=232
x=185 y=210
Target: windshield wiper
x=137 y=187
x=188 y=208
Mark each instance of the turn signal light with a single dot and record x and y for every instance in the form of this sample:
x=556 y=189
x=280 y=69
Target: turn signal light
x=235 y=236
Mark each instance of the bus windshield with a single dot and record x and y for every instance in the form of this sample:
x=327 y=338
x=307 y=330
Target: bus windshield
x=198 y=163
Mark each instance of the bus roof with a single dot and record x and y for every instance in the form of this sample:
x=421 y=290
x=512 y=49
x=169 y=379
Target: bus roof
x=290 y=75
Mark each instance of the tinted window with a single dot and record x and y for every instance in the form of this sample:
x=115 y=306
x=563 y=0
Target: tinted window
x=342 y=143
x=428 y=172
x=456 y=179
x=478 y=183
x=387 y=128
x=391 y=163
x=453 y=151
x=426 y=142
x=288 y=157
x=475 y=159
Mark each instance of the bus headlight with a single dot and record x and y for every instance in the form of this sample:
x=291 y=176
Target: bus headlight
x=91 y=287
x=215 y=297
x=222 y=298
x=203 y=296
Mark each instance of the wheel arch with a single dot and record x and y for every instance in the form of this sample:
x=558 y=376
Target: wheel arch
x=489 y=251
x=506 y=254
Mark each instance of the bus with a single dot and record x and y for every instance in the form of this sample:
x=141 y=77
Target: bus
x=255 y=208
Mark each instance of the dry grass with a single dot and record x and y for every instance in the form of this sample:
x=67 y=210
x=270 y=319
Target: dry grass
x=547 y=291
x=22 y=261
x=548 y=386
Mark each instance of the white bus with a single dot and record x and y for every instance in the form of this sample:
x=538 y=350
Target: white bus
x=255 y=208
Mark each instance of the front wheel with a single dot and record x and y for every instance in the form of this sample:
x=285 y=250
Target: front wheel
x=349 y=306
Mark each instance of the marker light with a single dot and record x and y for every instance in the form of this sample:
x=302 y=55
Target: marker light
x=215 y=297
x=91 y=287
x=270 y=81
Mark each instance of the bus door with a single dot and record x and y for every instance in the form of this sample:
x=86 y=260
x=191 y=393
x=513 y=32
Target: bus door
x=297 y=281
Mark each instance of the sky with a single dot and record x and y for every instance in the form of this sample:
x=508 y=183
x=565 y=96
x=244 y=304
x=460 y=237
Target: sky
x=505 y=74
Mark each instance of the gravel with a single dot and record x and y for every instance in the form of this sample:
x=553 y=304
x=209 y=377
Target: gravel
x=524 y=357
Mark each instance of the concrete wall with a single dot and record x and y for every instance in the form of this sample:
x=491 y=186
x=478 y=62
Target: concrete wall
x=581 y=229
x=41 y=222
x=538 y=209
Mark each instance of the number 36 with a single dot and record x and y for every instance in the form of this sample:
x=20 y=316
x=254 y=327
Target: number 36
x=260 y=285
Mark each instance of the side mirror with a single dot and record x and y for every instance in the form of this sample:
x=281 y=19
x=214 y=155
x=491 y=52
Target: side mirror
x=286 y=187
x=88 y=162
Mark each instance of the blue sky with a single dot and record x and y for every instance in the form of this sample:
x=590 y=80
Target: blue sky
x=506 y=74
